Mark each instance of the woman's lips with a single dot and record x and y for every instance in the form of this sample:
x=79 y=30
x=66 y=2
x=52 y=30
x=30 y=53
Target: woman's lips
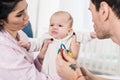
x=25 y=24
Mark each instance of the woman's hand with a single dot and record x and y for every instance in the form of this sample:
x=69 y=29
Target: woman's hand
x=44 y=49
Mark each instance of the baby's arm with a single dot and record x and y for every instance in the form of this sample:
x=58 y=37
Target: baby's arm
x=33 y=45
x=85 y=37
x=27 y=45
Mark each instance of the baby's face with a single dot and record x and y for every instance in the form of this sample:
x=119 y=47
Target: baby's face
x=59 y=26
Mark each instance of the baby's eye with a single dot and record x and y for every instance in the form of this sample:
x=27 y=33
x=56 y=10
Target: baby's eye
x=51 y=25
x=60 y=26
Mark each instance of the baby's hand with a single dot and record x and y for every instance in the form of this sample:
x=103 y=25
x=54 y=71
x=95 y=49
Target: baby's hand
x=26 y=45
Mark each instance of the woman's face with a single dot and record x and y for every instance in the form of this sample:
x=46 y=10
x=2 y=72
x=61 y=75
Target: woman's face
x=18 y=18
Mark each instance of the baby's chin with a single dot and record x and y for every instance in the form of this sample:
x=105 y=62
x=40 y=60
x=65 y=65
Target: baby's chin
x=55 y=36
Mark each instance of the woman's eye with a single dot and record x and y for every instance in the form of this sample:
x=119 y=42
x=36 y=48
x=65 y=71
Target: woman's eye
x=19 y=15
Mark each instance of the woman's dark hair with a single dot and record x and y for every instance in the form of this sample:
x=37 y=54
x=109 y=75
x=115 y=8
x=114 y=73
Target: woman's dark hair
x=6 y=6
x=114 y=4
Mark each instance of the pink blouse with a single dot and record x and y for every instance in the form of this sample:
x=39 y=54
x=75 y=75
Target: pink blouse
x=15 y=62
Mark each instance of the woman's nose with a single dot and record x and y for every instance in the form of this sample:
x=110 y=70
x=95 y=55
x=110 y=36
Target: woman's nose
x=26 y=17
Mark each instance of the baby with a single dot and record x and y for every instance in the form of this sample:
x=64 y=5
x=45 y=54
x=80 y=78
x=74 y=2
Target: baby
x=60 y=31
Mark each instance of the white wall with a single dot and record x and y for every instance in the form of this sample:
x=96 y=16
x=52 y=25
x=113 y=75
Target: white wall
x=33 y=12
x=79 y=10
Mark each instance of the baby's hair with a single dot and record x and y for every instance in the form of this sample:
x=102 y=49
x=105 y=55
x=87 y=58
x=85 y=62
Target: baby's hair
x=67 y=13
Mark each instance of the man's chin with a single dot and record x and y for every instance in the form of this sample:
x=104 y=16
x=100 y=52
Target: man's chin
x=103 y=37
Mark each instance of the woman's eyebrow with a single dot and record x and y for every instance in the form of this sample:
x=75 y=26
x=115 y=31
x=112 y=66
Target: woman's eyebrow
x=23 y=9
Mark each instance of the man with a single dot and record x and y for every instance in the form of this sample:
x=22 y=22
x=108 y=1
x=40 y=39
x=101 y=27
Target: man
x=106 y=18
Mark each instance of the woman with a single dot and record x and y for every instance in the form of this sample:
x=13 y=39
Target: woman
x=16 y=63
